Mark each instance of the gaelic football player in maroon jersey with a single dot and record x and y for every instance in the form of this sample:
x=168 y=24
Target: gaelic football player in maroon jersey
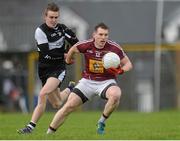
x=96 y=80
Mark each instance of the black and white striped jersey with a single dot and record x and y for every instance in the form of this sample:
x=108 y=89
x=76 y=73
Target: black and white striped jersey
x=51 y=43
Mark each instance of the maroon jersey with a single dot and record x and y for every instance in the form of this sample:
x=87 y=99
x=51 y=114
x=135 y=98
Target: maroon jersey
x=94 y=69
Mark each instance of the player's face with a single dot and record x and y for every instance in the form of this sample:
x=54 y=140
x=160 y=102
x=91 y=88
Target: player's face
x=101 y=37
x=51 y=18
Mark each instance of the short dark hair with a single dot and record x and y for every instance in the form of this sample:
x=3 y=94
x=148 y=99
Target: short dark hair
x=51 y=7
x=101 y=25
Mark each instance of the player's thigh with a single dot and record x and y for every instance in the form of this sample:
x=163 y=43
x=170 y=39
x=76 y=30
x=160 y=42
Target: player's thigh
x=104 y=87
x=113 y=91
x=50 y=85
x=73 y=101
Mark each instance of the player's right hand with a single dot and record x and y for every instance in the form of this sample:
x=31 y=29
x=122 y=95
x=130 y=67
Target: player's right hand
x=69 y=62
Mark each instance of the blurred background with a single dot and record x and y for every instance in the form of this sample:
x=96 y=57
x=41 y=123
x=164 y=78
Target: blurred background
x=148 y=31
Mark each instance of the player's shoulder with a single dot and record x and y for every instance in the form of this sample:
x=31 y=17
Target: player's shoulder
x=42 y=26
x=39 y=31
x=62 y=26
x=84 y=42
x=114 y=44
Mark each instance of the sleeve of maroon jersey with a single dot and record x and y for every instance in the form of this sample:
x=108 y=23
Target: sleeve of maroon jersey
x=83 y=46
x=118 y=50
x=121 y=53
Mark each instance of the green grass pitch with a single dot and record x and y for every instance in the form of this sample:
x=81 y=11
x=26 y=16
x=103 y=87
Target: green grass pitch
x=82 y=126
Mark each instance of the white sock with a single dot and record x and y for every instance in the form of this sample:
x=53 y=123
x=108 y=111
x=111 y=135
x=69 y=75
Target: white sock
x=51 y=130
x=103 y=118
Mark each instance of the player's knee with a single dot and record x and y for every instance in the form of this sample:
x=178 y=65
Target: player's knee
x=115 y=97
x=41 y=98
x=69 y=108
x=42 y=94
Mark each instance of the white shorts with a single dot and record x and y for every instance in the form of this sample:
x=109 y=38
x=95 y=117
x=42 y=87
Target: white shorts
x=91 y=88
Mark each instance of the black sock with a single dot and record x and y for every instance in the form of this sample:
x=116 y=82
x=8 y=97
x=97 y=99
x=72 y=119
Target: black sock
x=53 y=129
x=105 y=116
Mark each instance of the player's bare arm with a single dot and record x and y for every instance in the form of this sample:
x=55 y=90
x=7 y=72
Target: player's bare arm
x=70 y=54
x=126 y=64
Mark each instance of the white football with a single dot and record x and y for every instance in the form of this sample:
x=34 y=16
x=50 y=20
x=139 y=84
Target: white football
x=111 y=59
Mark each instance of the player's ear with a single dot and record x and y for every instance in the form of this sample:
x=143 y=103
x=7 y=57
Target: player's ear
x=93 y=34
x=44 y=16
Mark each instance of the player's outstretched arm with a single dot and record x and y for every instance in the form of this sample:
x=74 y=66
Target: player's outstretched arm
x=70 y=54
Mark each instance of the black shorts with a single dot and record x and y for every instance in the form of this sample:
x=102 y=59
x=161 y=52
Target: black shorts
x=55 y=71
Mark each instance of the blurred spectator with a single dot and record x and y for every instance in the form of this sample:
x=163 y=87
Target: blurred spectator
x=14 y=98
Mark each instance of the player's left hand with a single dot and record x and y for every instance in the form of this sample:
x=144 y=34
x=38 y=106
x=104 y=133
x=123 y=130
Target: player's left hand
x=116 y=71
